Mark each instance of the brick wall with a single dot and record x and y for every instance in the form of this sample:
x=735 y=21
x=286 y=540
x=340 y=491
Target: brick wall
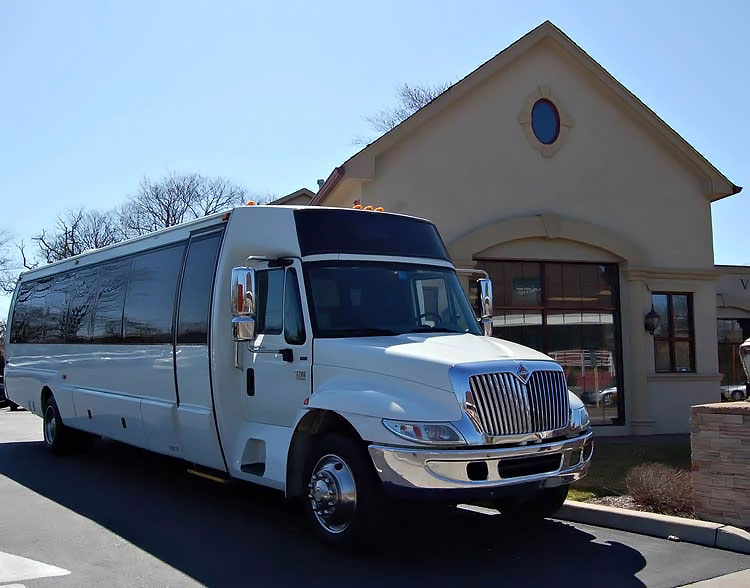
x=720 y=443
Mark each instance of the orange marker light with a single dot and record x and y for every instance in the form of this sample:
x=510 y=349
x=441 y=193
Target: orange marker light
x=368 y=207
x=357 y=206
x=380 y=209
x=251 y=202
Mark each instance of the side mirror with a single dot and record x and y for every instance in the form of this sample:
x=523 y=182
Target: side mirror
x=485 y=305
x=243 y=304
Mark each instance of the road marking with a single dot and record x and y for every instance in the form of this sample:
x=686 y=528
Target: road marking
x=14 y=568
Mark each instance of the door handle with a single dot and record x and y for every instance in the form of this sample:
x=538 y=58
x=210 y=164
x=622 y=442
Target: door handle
x=250 y=390
x=287 y=355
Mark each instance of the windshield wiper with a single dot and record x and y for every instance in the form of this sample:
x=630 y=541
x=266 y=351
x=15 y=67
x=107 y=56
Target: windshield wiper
x=361 y=332
x=426 y=329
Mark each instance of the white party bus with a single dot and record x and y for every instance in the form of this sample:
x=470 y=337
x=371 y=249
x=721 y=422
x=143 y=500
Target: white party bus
x=329 y=353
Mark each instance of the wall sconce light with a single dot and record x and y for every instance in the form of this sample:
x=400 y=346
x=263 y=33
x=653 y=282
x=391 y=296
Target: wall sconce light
x=652 y=320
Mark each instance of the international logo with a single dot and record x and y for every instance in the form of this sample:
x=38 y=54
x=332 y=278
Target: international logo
x=522 y=373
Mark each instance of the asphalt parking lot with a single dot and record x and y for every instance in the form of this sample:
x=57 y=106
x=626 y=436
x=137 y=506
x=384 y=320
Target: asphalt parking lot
x=121 y=517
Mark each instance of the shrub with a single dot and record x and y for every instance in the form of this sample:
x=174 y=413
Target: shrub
x=661 y=488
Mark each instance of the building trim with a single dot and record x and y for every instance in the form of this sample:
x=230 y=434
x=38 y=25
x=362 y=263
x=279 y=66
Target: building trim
x=635 y=272
x=688 y=377
x=548 y=226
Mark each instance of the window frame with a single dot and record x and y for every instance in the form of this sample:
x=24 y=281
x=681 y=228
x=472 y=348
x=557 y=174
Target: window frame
x=291 y=280
x=670 y=338
x=262 y=302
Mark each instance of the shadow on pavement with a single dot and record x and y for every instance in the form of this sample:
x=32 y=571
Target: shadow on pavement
x=240 y=534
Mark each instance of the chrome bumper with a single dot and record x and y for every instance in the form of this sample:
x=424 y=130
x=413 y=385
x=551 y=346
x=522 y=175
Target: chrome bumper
x=452 y=469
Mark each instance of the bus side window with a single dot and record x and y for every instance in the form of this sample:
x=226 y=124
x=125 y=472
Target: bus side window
x=81 y=307
x=195 y=293
x=57 y=308
x=113 y=280
x=294 y=322
x=19 y=332
x=37 y=313
x=149 y=303
x=270 y=301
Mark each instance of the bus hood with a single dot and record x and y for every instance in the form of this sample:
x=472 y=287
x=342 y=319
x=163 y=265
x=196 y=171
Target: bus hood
x=420 y=357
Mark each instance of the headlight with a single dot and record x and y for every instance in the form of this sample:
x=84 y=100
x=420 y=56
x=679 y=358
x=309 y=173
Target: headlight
x=579 y=418
x=425 y=432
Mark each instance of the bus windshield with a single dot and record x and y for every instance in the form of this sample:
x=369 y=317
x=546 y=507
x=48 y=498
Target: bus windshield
x=365 y=299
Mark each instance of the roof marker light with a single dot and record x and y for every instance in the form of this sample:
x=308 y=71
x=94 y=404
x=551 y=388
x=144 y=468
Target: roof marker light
x=357 y=206
x=251 y=202
x=380 y=209
x=369 y=207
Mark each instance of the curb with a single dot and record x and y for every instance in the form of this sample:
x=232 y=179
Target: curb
x=657 y=525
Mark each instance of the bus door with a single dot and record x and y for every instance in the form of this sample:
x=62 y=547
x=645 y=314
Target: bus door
x=197 y=437
x=278 y=366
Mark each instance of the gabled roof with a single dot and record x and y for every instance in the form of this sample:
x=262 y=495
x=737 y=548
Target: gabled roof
x=301 y=192
x=361 y=164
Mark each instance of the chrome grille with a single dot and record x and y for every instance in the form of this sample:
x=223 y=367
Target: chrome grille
x=506 y=406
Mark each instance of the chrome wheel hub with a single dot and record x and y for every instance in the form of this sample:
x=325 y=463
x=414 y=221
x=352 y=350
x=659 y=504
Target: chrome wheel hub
x=332 y=493
x=50 y=425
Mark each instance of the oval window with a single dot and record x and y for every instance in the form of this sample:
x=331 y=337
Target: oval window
x=545 y=121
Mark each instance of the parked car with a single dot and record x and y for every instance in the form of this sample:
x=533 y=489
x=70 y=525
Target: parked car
x=606 y=397
x=737 y=392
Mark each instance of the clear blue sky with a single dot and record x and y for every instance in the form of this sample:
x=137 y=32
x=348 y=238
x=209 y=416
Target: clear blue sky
x=97 y=94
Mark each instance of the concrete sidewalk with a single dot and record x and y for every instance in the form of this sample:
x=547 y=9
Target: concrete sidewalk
x=736 y=580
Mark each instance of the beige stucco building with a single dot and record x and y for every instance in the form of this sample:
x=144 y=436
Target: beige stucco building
x=585 y=208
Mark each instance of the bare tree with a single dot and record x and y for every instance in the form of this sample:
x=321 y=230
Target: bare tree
x=177 y=198
x=409 y=99
x=8 y=264
x=76 y=231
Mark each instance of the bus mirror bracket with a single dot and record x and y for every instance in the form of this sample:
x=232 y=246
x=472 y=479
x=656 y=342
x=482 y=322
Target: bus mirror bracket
x=485 y=304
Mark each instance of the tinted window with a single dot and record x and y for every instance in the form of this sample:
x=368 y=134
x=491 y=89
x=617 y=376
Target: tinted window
x=37 y=315
x=81 y=307
x=57 y=308
x=151 y=294
x=195 y=294
x=19 y=332
x=365 y=232
x=270 y=292
x=113 y=280
x=294 y=324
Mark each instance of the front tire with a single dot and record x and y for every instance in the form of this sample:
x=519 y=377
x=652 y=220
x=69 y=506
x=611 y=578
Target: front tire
x=57 y=437
x=534 y=506
x=343 y=494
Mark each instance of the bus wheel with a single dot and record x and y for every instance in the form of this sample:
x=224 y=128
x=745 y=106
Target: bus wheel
x=57 y=437
x=343 y=494
x=535 y=506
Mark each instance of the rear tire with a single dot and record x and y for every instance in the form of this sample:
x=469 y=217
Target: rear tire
x=57 y=437
x=344 y=496
x=535 y=506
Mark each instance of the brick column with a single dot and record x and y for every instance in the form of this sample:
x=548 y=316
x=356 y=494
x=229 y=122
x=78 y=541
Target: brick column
x=720 y=443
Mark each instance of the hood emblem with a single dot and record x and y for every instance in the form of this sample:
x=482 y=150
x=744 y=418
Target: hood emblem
x=522 y=373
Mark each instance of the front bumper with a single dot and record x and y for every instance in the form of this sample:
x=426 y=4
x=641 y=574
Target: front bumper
x=457 y=470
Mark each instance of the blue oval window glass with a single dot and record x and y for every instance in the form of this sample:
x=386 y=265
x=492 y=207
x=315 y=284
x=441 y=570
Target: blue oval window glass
x=545 y=121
